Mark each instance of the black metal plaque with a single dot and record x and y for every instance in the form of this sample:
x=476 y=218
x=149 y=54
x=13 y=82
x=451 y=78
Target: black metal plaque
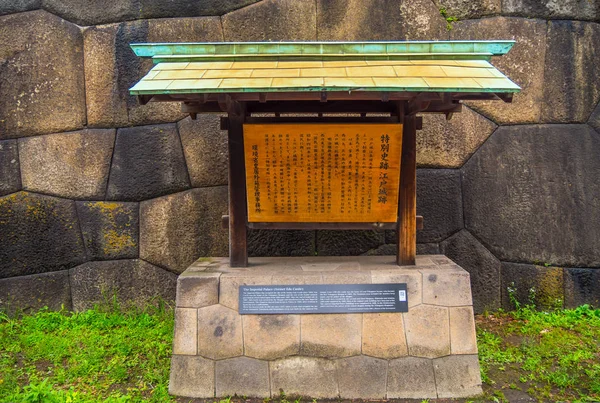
x=323 y=298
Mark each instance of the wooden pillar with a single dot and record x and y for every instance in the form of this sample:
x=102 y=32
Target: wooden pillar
x=407 y=205
x=238 y=211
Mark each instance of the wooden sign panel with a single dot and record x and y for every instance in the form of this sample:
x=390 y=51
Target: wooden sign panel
x=322 y=172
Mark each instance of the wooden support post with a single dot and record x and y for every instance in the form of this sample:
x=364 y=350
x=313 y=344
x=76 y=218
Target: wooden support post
x=238 y=249
x=407 y=208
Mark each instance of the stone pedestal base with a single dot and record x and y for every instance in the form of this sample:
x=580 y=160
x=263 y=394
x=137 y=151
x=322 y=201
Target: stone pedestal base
x=428 y=352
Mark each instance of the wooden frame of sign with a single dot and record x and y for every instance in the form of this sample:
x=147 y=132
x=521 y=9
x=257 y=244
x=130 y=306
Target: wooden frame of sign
x=252 y=195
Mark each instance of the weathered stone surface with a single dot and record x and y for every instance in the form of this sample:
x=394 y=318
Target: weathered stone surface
x=537 y=285
x=356 y=20
x=41 y=75
x=271 y=336
x=427 y=331
x=18 y=6
x=197 y=289
x=446 y=286
x=219 y=332
x=412 y=277
x=571 y=51
x=544 y=198
x=185 y=336
x=457 y=376
x=383 y=335
x=9 y=167
x=297 y=277
x=524 y=64
x=192 y=376
x=177 y=229
x=304 y=376
x=483 y=268
x=111 y=68
x=134 y=282
x=594 y=120
x=331 y=335
x=347 y=243
x=411 y=378
x=242 y=376
x=469 y=9
x=581 y=287
x=205 y=150
x=288 y=20
x=181 y=8
x=463 y=339
x=148 y=162
x=449 y=143
x=72 y=165
x=83 y=12
x=31 y=293
x=281 y=243
x=428 y=248
x=38 y=234
x=548 y=9
x=362 y=377
x=110 y=230
x=231 y=282
x=346 y=277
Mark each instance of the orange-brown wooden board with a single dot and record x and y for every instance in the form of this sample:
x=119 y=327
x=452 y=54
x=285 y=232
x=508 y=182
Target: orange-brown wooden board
x=322 y=172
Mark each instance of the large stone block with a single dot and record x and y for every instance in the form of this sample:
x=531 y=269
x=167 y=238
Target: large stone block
x=469 y=9
x=185 y=335
x=362 y=377
x=219 y=332
x=541 y=286
x=288 y=20
x=41 y=75
x=411 y=378
x=446 y=286
x=571 y=51
x=281 y=243
x=9 y=167
x=355 y=20
x=181 y=8
x=457 y=376
x=548 y=9
x=427 y=331
x=304 y=376
x=18 y=6
x=449 y=143
x=412 y=277
x=242 y=376
x=383 y=335
x=192 y=376
x=72 y=165
x=524 y=64
x=38 y=234
x=231 y=282
x=197 y=289
x=84 y=12
x=331 y=335
x=31 y=293
x=271 y=336
x=581 y=287
x=148 y=162
x=483 y=268
x=111 y=68
x=110 y=230
x=463 y=339
x=594 y=120
x=531 y=192
x=177 y=229
x=133 y=282
x=347 y=243
x=205 y=150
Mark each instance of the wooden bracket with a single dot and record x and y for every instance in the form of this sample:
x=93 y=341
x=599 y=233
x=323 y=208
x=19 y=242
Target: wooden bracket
x=419 y=123
x=224 y=123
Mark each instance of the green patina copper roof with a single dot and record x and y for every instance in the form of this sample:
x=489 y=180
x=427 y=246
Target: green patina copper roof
x=423 y=66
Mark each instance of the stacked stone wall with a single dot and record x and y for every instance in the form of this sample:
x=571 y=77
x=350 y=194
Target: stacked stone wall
x=101 y=195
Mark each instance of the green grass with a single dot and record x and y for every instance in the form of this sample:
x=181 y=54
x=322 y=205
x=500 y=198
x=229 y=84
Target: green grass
x=92 y=356
x=112 y=355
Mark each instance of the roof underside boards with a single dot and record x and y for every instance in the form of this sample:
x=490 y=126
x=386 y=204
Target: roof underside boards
x=302 y=67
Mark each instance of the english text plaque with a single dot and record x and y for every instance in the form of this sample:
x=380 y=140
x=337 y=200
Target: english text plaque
x=322 y=172
x=323 y=298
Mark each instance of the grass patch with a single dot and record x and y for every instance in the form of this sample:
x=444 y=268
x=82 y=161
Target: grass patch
x=113 y=355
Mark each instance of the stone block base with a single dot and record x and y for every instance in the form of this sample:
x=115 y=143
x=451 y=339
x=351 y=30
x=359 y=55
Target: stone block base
x=428 y=352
